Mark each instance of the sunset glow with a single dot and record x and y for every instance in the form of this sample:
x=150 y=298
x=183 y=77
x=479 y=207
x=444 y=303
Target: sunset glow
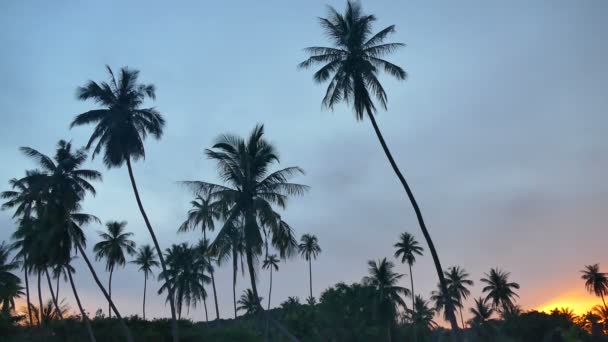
x=580 y=303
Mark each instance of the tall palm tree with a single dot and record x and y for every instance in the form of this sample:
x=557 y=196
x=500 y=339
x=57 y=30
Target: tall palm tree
x=500 y=291
x=353 y=64
x=481 y=311
x=596 y=282
x=185 y=275
x=249 y=302
x=112 y=247
x=309 y=249
x=385 y=280
x=231 y=245
x=250 y=192
x=407 y=248
x=204 y=211
x=271 y=262
x=146 y=260
x=121 y=126
x=458 y=280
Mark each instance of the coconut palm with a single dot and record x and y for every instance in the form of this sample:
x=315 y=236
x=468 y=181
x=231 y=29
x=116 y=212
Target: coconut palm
x=422 y=314
x=204 y=211
x=244 y=165
x=146 y=260
x=121 y=127
x=185 y=275
x=231 y=245
x=112 y=247
x=500 y=291
x=481 y=312
x=271 y=262
x=407 y=248
x=596 y=282
x=352 y=66
x=249 y=303
x=444 y=302
x=309 y=249
x=458 y=280
x=385 y=280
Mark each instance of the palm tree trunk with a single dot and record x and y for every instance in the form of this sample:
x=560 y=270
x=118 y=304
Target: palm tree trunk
x=145 y=284
x=57 y=287
x=123 y=325
x=174 y=330
x=413 y=304
x=461 y=318
x=27 y=293
x=310 y=274
x=85 y=318
x=388 y=330
x=48 y=279
x=205 y=305
x=110 y=293
x=603 y=301
x=427 y=236
x=270 y=289
x=234 y=272
x=40 y=307
x=217 y=309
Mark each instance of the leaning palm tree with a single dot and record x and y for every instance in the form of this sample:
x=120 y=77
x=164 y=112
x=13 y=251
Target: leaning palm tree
x=385 y=280
x=121 y=127
x=458 y=280
x=309 y=249
x=353 y=64
x=596 y=282
x=204 y=211
x=249 y=302
x=67 y=270
x=146 y=260
x=500 y=291
x=271 y=262
x=112 y=247
x=407 y=248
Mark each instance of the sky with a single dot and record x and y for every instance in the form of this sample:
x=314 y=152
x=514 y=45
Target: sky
x=500 y=129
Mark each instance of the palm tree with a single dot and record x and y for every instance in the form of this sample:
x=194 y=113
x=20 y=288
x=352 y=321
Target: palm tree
x=458 y=280
x=121 y=127
x=481 y=312
x=231 y=245
x=146 y=260
x=204 y=211
x=23 y=238
x=444 y=302
x=500 y=291
x=251 y=191
x=249 y=303
x=10 y=284
x=185 y=275
x=422 y=314
x=353 y=65
x=309 y=249
x=205 y=261
x=596 y=282
x=407 y=248
x=271 y=262
x=112 y=247
x=385 y=280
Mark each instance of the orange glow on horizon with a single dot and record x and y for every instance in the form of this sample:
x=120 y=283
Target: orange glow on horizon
x=576 y=301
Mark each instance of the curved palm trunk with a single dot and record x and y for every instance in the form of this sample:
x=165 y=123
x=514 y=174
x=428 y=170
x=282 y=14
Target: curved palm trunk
x=48 y=279
x=270 y=289
x=110 y=293
x=217 y=309
x=174 y=330
x=27 y=293
x=234 y=272
x=427 y=236
x=57 y=288
x=85 y=318
x=310 y=274
x=40 y=307
x=121 y=321
x=414 y=328
x=603 y=301
x=145 y=284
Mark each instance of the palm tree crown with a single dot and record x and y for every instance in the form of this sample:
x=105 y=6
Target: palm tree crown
x=500 y=291
x=354 y=61
x=248 y=302
x=385 y=280
x=146 y=260
x=407 y=248
x=272 y=261
x=115 y=243
x=481 y=311
x=596 y=282
x=122 y=125
x=309 y=247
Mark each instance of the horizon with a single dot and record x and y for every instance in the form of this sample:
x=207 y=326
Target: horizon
x=499 y=128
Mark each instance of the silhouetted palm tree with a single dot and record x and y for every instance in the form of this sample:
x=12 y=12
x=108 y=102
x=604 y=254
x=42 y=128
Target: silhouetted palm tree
x=112 y=247
x=24 y=238
x=458 y=280
x=204 y=211
x=146 y=260
x=422 y=314
x=385 y=280
x=500 y=291
x=353 y=65
x=439 y=299
x=121 y=127
x=309 y=249
x=407 y=248
x=231 y=245
x=249 y=303
x=481 y=312
x=244 y=165
x=596 y=282
x=205 y=261
x=271 y=262
x=10 y=284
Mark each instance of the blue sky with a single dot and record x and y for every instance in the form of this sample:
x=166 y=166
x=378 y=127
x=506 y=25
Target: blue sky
x=500 y=129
